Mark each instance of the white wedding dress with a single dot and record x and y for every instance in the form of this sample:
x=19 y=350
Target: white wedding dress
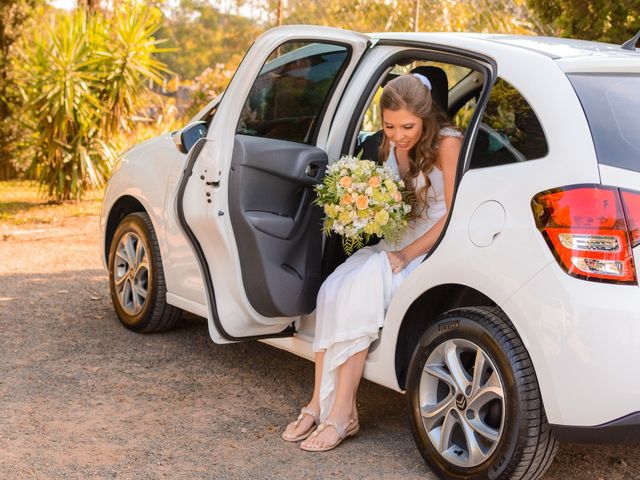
x=352 y=301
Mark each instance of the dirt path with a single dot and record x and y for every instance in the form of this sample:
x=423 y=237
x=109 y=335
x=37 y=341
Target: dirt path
x=81 y=397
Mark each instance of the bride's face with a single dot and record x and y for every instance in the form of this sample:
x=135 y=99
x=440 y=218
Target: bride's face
x=402 y=127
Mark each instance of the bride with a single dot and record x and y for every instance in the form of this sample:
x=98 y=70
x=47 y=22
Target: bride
x=422 y=150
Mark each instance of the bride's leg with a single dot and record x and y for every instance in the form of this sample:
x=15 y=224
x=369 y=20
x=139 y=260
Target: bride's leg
x=343 y=409
x=314 y=404
x=307 y=421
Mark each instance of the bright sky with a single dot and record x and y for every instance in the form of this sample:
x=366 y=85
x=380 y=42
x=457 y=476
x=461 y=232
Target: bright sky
x=223 y=5
x=66 y=4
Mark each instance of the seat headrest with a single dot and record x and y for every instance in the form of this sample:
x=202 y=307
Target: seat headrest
x=439 y=85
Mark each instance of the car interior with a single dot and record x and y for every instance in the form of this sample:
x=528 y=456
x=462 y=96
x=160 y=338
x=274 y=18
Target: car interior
x=455 y=89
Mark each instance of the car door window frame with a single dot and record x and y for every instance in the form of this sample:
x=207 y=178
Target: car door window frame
x=320 y=118
x=438 y=53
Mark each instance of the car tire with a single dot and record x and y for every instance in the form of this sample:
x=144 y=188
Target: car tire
x=136 y=277
x=470 y=425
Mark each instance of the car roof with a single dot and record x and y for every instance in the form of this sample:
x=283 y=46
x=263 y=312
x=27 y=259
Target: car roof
x=571 y=54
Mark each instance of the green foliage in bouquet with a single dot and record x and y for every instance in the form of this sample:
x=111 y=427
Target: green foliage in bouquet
x=362 y=199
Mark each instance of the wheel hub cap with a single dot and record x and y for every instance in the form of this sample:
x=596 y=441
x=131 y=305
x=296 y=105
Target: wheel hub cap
x=462 y=402
x=131 y=273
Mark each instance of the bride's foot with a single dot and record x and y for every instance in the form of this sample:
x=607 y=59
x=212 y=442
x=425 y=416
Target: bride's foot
x=302 y=427
x=331 y=432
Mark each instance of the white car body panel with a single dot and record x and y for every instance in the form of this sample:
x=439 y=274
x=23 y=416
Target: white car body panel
x=585 y=338
x=571 y=336
x=622 y=64
x=145 y=173
x=142 y=173
x=619 y=177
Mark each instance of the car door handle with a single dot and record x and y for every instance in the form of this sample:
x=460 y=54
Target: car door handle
x=312 y=170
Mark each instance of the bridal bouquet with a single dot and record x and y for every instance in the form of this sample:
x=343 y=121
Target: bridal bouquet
x=360 y=199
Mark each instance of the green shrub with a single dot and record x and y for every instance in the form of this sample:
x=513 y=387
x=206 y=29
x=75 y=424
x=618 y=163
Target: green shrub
x=82 y=78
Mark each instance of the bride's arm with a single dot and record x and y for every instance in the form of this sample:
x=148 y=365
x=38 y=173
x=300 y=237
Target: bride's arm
x=448 y=153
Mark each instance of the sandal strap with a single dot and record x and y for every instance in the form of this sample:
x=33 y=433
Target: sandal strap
x=307 y=411
x=340 y=429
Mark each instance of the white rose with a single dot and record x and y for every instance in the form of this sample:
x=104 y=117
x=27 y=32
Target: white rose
x=360 y=223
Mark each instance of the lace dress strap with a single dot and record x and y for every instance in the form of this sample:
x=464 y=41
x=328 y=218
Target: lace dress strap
x=450 y=132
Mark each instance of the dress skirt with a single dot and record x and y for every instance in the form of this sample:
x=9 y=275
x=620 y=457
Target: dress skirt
x=353 y=300
x=351 y=309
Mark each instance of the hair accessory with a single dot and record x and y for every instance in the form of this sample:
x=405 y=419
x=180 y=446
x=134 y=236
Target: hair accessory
x=425 y=81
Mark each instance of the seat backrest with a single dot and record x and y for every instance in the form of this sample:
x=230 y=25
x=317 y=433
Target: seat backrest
x=439 y=85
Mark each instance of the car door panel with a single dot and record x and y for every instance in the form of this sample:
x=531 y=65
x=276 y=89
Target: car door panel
x=247 y=195
x=278 y=233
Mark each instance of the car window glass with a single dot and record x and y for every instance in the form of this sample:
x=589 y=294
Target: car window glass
x=462 y=117
x=509 y=130
x=291 y=91
x=612 y=106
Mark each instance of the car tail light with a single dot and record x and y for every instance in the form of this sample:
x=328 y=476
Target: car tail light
x=631 y=203
x=591 y=230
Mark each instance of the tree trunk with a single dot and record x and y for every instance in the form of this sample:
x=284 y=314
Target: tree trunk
x=89 y=5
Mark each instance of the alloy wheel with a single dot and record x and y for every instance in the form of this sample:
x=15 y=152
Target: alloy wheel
x=131 y=273
x=462 y=402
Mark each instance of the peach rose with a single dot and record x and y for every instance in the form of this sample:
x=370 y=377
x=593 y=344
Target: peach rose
x=345 y=182
x=374 y=182
x=362 y=202
x=398 y=197
x=346 y=199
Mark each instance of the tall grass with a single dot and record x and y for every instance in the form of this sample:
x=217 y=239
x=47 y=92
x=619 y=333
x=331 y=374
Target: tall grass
x=22 y=204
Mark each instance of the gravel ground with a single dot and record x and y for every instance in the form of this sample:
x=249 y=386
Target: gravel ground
x=82 y=397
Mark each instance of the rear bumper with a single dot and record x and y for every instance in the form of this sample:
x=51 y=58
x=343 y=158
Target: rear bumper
x=625 y=430
x=584 y=341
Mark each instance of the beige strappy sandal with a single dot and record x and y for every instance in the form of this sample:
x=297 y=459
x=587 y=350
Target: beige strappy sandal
x=304 y=411
x=349 y=430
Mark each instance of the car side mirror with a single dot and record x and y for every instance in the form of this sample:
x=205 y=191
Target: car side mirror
x=187 y=137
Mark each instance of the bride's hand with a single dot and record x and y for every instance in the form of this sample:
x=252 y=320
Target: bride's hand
x=397 y=260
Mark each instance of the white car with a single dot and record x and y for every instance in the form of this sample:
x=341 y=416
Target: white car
x=520 y=329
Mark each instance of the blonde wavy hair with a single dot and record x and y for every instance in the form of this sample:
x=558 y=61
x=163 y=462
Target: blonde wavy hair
x=407 y=92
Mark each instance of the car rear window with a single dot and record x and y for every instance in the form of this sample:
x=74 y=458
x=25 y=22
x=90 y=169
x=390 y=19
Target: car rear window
x=509 y=131
x=612 y=106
